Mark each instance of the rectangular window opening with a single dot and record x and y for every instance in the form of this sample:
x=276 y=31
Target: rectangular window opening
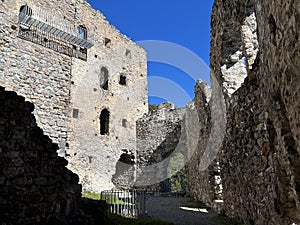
x=124 y=123
x=75 y=113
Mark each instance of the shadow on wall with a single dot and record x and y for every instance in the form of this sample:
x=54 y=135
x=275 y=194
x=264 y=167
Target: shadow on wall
x=124 y=175
x=35 y=184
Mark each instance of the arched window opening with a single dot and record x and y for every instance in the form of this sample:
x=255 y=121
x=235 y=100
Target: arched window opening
x=104 y=78
x=122 y=80
x=107 y=42
x=104 y=122
x=82 y=32
x=128 y=53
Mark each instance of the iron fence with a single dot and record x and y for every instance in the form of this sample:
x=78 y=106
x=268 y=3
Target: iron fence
x=131 y=203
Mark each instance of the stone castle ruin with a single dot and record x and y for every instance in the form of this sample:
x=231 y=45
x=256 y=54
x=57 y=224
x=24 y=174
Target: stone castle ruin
x=87 y=81
x=255 y=62
x=239 y=138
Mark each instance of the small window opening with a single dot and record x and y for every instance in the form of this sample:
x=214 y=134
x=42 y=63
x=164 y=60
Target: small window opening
x=82 y=32
x=75 y=113
x=124 y=123
x=128 y=53
x=90 y=159
x=122 y=80
x=107 y=42
x=104 y=78
x=104 y=122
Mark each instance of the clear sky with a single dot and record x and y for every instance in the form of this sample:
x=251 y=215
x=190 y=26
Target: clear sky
x=184 y=23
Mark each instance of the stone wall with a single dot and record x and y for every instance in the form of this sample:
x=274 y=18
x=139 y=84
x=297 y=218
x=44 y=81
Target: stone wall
x=36 y=187
x=203 y=183
x=259 y=41
x=68 y=92
x=37 y=73
x=125 y=103
x=158 y=135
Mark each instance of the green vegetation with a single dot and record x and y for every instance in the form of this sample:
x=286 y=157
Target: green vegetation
x=109 y=198
x=176 y=172
x=91 y=195
x=97 y=213
x=223 y=219
x=112 y=199
x=152 y=107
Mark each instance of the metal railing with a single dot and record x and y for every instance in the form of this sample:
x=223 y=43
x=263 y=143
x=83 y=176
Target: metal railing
x=39 y=18
x=131 y=203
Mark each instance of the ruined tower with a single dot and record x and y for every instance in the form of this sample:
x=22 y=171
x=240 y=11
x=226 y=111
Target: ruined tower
x=88 y=82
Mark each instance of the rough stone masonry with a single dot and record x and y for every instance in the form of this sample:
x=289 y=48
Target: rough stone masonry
x=88 y=100
x=158 y=135
x=255 y=58
x=34 y=182
x=87 y=81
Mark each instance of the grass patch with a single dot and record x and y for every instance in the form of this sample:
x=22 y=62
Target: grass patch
x=109 y=198
x=223 y=219
x=112 y=199
x=97 y=211
x=90 y=195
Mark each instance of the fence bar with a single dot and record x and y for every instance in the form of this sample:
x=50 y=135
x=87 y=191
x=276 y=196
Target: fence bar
x=129 y=203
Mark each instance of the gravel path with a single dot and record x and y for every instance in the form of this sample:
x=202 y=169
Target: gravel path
x=168 y=209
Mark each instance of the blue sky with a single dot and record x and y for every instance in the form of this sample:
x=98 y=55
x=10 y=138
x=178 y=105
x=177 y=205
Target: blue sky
x=185 y=23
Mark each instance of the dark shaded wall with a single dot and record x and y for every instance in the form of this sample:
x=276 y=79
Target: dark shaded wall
x=260 y=161
x=34 y=182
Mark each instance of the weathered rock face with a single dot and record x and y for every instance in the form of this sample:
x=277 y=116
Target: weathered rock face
x=158 y=135
x=260 y=161
x=203 y=183
x=71 y=86
x=35 y=184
